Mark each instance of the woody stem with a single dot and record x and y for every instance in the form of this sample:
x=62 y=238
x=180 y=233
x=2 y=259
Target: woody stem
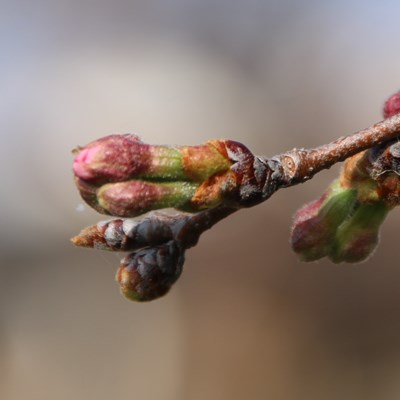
x=300 y=165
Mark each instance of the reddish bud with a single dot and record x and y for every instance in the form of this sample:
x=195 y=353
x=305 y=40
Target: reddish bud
x=307 y=233
x=315 y=224
x=132 y=198
x=112 y=158
x=392 y=105
x=122 y=176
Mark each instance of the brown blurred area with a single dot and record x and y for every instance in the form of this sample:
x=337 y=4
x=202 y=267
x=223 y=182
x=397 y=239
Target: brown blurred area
x=246 y=319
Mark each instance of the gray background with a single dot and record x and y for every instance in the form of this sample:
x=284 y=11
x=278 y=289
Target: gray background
x=246 y=319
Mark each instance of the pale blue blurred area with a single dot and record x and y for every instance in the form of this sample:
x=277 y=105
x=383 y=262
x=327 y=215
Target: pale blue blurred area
x=246 y=320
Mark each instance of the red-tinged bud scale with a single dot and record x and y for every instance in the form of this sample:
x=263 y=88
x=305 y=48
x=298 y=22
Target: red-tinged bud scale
x=308 y=232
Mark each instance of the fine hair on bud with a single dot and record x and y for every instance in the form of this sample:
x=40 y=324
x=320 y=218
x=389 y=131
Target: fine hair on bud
x=149 y=273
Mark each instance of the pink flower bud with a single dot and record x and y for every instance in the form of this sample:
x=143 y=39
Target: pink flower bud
x=133 y=198
x=392 y=105
x=122 y=176
x=118 y=158
x=112 y=158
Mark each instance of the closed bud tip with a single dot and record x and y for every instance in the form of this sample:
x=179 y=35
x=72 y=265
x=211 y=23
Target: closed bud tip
x=358 y=236
x=392 y=105
x=149 y=273
x=315 y=224
x=111 y=158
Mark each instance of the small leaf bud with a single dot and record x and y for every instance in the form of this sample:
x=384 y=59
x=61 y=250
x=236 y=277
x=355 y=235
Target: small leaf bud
x=149 y=273
x=392 y=105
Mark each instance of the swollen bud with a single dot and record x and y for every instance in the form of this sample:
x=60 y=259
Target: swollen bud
x=149 y=273
x=344 y=223
x=392 y=105
x=122 y=176
x=358 y=236
x=118 y=158
x=315 y=224
x=136 y=197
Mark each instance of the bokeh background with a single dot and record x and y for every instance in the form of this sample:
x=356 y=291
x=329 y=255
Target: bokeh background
x=246 y=319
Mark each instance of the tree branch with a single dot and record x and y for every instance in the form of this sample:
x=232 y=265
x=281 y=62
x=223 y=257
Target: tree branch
x=120 y=175
x=300 y=165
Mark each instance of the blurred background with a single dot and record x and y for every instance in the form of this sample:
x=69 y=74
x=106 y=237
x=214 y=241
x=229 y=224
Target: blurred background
x=246 y=319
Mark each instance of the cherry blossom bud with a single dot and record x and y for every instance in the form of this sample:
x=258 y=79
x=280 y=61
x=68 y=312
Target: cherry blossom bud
x=149 y=273
x=122 y=176
x=118 y=158
x=392 y=105
x=132 y=198
x=358 y=236
x=348 y=231
x=315 y=224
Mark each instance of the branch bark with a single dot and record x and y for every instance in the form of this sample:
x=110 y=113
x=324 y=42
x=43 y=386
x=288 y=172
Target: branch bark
x=300 y=165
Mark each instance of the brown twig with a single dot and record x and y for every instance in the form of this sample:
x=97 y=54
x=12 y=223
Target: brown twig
x=300 y=165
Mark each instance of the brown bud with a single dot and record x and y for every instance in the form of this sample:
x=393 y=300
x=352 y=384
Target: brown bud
x=149 y=273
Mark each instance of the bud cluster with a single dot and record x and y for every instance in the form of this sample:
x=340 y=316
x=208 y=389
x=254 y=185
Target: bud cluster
x=344 y=223
x=122 y=176
x=157 y=242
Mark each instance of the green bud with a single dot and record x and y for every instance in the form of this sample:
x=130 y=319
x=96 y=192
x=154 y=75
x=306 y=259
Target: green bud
x=135 y=197
x=358 y=236
x=316 y=223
